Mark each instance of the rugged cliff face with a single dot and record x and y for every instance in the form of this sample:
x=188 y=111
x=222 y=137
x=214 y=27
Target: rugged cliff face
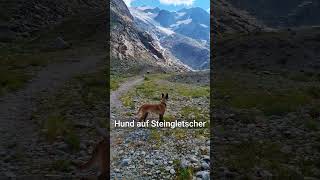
x=134 y=49
x=24 y=17
x=227 y=19
x=282 y=13
x=185 y=37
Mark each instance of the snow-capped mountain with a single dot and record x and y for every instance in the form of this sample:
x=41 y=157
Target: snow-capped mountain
x=192 y=22
x=132 y=48
x=186 y=30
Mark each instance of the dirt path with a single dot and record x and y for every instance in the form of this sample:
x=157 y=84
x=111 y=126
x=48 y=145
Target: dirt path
x=16 y=125
x=124 y=88
x=116 y=107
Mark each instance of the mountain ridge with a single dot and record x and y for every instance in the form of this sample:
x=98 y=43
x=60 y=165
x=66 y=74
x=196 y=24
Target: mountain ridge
x=134 y=50
x=179 y=34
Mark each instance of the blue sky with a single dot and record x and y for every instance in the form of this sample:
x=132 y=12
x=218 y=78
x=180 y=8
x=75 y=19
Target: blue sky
x=171 y=5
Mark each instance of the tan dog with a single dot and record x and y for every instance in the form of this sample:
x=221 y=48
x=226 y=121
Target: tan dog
x=100 y=157
x=160 y=109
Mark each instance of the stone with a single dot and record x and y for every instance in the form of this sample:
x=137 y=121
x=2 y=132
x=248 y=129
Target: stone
x=172 y=171
x=150 y=163
x=286 y=149
x=6 y=35
x=59 y=43
x=206 y=158
x=205 y=166
x=184 y=163
x=204 y=175
x=125 y=162
x=9 y=174
x=193 y=159
x=168 y=168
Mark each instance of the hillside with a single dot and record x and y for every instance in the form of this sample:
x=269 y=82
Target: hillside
x=187 y=31
x=133 y=49
x=25 y=18
x=51 y=62
x=286 y=13
x=266 y=104
x=294 y=50
x=227 y=19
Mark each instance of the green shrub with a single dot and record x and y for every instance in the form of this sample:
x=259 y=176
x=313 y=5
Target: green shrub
x=62 y=165
x=127 y=101
x=73 y=141
x=56 y=125
x=185 y=173
x=312 y=124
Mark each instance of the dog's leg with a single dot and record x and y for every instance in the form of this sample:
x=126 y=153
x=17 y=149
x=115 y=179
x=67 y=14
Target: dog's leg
x=141 y=117
x=161 y=117
x=145 y=117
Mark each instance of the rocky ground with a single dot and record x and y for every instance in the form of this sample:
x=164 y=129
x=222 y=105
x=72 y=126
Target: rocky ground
x=50 y=97
x=266 y=126
x=40 y=136
x=159 y=153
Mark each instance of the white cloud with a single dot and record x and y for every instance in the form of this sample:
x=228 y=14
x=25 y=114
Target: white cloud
x=128 y=2
x=177 y=2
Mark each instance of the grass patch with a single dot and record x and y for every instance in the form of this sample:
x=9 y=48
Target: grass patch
x=194 y=113
x=312 y=124
x=73 y=140
x=238 y=94
x=179 y=133
x=182 y=173
x=93 y=87
x=127 y=100
x=61 y=165
x=83 y=92
x=193 y=91
x=11 y=80
x=152 y=90
x=56 y=125
x=185 y=173
x=248 y=116
x=13 y=72
x=155 y=137
x=267 y=155
x=169 y=118
x=115 y=81
x=313 y=91
x=154 y=85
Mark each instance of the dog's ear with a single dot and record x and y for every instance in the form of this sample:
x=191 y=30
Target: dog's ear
x=167 y=96
x=162 y=95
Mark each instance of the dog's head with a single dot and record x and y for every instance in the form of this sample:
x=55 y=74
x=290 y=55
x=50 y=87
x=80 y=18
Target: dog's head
x=164 y=98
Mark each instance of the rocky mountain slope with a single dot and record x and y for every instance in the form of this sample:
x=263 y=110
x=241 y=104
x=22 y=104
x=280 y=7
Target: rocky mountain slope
x=132 y=48
x=35 y=81
x=186 y=30
x=266 y=100
x=282 y=13
x=190 y=51
x=192 y=22
x=293 y=50
x=20 y=18
x=227 y=19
